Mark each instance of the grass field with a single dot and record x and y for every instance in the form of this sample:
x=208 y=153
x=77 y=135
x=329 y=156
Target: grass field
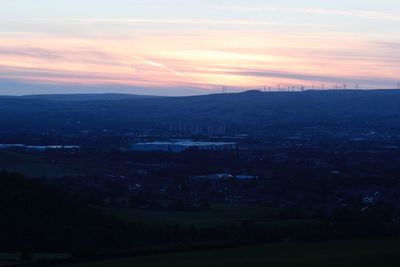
x=13 y=258
x=32 y=165
x=216 y=214
x=343 y=253
x=7 y=259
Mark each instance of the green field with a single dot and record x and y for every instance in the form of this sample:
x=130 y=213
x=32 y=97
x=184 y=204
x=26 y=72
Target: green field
x=215 y=215
x=13 y=258
x=32 y=165
x=351 y=253
x=7 y=259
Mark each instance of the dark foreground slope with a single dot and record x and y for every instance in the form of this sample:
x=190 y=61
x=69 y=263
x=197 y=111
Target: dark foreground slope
x=42 y=218
x=249 y=110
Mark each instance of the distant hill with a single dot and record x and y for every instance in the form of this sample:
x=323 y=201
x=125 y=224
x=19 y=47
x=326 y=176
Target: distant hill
x=252 y=110
x=81 y=97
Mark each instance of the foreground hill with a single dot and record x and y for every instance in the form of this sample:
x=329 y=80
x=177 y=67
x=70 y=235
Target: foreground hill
x=366 y=253
x=43 y=218
x=240 y=112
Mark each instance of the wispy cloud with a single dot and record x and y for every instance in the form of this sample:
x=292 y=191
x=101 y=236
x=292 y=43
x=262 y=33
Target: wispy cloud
x=292 y=75
x=376 y=15
x=226 y=22
x=395 y=16
x=197 y=56
x=159 y=65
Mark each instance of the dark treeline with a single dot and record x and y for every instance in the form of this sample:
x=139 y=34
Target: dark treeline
x=38 y=216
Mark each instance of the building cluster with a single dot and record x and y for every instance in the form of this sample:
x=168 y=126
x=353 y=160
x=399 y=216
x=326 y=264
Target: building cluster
x=37 y=148
x=183 y=145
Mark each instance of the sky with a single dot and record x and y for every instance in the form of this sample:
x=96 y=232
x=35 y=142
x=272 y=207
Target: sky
x=186 y=47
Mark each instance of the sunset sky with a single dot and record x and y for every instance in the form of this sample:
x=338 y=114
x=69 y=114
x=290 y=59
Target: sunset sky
x=184 y=47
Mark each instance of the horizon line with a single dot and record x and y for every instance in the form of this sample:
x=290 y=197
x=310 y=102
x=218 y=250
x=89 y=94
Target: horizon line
x=283 y=90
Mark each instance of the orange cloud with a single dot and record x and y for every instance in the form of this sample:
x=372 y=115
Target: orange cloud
x=204 y=58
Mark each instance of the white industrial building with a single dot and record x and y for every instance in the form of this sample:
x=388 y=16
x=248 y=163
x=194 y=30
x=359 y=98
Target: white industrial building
x=37 y=148
x=179 y=146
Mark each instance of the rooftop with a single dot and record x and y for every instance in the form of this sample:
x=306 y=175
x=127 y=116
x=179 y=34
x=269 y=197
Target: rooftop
x=188 y=143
